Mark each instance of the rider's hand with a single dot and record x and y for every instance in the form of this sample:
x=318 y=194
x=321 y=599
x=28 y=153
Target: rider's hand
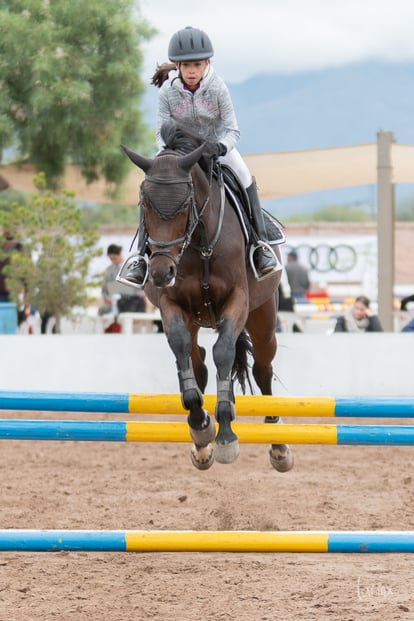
x=215 y=149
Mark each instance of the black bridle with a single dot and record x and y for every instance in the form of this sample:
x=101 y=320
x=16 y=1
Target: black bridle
x=193 y=221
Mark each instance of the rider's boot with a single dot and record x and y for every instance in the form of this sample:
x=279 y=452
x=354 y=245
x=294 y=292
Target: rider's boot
x=137 y=270
x=264 y=259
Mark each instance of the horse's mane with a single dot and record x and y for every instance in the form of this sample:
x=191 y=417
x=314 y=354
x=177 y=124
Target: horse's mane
x=183 y=141
x=176 y=138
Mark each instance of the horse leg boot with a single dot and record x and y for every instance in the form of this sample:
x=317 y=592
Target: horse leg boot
x=227 y=444
x=224 y=352
x=137 y=270
x=202 y=429
x=264 y=258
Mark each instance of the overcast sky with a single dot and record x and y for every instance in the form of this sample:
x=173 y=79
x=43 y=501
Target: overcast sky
x=271 y=36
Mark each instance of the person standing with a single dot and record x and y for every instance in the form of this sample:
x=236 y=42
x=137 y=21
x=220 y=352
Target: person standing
x=125 y=302
x=8 y=245
x=297 y=276
x=409 y=327
x=405 y=301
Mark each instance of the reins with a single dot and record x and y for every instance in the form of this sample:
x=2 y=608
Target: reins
x=206 y=251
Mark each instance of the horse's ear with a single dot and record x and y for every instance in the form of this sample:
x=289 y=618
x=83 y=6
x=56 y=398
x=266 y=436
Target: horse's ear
x=142 y=162
x=187 y=161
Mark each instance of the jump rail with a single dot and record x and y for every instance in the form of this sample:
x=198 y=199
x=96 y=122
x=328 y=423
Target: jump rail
x=132 y=431
x=206 y=541
x=246 y=405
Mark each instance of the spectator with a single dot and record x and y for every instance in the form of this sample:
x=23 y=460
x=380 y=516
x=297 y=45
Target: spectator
x=409 y=327
x=405 y=301
x=44 y=323
x=9 y=245
x=359 y=318
x=113 y=290
x=297 y=275
x=286 y=304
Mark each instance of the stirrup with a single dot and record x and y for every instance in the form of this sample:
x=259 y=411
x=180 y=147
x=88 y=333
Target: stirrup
x=126 y=266
x=278 y=267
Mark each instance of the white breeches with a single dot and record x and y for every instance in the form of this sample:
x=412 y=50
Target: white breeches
x=234 y=160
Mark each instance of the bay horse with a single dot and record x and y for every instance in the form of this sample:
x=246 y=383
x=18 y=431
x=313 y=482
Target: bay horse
x=199 y=276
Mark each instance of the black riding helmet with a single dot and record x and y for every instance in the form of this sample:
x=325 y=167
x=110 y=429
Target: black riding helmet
x=190 y=44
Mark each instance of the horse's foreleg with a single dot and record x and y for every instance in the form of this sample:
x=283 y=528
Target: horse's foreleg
x=224 y=351
x=201 y=425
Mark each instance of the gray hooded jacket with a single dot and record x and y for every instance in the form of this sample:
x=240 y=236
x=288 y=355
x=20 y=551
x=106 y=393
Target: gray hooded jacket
x=208 y=111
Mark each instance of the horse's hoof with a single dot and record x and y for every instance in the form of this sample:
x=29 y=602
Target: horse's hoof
x=281 y=460
x=203 y=437
x=202 y=457
x=227 y=453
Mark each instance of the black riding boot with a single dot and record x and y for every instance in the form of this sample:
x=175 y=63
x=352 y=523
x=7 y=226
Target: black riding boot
x=137 y=270
x=264 y=259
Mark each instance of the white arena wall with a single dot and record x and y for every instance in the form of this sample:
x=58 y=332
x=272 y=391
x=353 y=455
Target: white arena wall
x=305 y=364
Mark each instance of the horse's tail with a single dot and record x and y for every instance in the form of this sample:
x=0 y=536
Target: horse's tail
x=240 y=369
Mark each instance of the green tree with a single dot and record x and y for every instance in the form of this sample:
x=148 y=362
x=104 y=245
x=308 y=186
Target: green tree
x=70 y=86
x=51 y=272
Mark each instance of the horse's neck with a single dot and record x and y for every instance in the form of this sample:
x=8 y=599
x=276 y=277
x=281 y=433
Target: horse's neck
x=206 y=190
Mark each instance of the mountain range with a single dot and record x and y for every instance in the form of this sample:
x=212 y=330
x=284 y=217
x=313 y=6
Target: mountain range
x=333 y=107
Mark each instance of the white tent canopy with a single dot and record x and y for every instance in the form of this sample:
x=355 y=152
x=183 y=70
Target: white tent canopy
x=278 y=174
x=299 y=172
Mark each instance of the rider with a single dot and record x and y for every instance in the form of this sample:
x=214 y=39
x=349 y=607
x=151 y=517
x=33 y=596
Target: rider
x=196 y=97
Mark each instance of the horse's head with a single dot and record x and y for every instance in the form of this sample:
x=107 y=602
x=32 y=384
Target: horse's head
x=168 y=204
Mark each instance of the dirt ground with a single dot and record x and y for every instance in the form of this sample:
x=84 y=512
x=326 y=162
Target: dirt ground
x=154 y=486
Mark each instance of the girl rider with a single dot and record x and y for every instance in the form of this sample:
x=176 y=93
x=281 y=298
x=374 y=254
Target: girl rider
x=197 y=97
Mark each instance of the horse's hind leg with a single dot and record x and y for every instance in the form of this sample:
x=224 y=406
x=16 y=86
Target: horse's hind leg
x=198 y=356
x=264 y=349
x=192 y=384
x=280 y=455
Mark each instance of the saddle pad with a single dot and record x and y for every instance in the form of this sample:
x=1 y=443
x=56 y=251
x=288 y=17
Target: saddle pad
x=237 y=195
x=274 y=229
x=275 y=234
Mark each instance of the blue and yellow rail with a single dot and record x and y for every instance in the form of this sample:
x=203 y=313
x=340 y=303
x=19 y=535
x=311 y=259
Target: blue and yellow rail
x=206 y=541
x=246 y=405
x=252 y=433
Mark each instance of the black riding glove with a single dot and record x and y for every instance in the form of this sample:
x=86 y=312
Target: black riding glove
x=221 y=149
x=215 y=149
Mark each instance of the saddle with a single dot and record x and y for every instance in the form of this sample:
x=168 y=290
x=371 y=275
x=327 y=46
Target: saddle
x=237 y=196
